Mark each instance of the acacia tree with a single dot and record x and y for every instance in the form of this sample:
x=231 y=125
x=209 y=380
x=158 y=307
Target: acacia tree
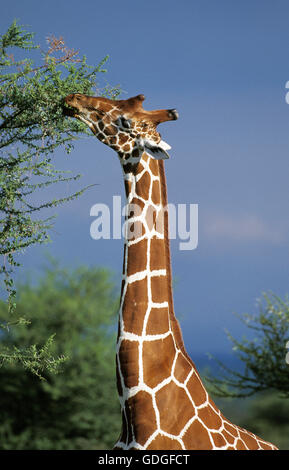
x=32 y=126
x=264 y=356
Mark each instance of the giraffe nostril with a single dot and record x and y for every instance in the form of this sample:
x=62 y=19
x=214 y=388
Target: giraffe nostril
x=173 y=113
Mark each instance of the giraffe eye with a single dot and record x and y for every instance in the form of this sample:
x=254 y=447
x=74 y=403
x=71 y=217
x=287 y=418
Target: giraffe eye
x=126 y=123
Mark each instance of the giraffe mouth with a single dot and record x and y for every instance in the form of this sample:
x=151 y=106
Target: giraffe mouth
x=68 y=110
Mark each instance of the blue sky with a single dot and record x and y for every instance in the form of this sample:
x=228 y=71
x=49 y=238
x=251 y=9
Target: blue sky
x=224 y=66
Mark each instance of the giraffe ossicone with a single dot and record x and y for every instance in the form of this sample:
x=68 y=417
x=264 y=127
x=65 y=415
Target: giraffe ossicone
x=164 y=403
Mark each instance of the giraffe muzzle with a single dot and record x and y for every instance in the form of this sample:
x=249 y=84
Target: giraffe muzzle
x=67 y=110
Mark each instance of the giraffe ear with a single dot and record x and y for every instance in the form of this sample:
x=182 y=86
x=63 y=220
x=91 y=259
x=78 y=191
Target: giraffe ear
x=157 y=151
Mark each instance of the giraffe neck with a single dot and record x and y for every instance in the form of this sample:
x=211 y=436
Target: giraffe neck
x=146 y=306
x=147 y=278
x=148 y=335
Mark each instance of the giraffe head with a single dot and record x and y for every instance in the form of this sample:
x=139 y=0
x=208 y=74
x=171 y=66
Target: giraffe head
x=123 y=125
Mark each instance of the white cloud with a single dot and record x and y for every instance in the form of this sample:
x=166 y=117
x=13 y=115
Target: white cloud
x=242 y=228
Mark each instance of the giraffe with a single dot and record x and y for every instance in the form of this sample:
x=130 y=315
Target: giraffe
x=164 y=404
